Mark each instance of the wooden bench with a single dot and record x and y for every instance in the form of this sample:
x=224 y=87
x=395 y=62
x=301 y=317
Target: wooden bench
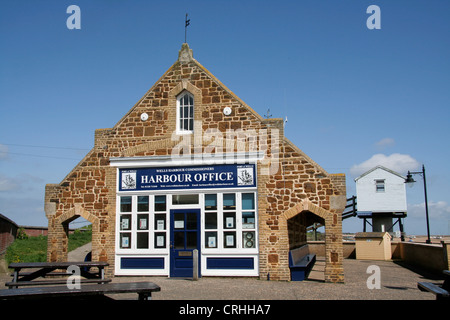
x=301 y=263
x=441 y=292
x=143 y=289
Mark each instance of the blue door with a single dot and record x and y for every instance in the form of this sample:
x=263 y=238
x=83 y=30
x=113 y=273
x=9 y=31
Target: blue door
x=184 y=238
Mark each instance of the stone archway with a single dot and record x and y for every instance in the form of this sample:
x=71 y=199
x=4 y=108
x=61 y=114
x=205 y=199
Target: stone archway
x=59 y=230
x=334 y=271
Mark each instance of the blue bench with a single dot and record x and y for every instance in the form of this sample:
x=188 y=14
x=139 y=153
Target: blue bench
x=301 y=262
x=438 y=291
x=442 y=292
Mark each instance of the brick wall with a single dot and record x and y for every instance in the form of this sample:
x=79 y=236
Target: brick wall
x=8 y=233
x=32 y=231
x=287 y=178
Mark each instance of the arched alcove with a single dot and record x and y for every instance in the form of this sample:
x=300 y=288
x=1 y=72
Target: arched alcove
x=300 y=216
x=59 y=233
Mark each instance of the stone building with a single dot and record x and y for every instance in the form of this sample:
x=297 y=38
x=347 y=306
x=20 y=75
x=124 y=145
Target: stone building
x=191 y=166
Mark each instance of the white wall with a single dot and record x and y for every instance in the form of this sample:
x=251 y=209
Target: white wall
x=393 y=199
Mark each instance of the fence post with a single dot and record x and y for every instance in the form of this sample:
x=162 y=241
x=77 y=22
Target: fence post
x=195 y=265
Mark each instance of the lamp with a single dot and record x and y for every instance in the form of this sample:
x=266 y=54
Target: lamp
x=409 y=179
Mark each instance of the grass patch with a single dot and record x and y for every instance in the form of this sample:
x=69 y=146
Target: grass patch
x=78 y=238
x=34 y=249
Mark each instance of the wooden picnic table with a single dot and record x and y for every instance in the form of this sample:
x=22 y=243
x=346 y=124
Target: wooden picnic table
x=143 y=289
x=46 y=268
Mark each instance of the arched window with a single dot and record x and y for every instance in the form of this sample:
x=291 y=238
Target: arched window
x=185 y=112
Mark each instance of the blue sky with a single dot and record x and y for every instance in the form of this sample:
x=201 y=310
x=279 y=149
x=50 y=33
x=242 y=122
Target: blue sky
x=353 y=97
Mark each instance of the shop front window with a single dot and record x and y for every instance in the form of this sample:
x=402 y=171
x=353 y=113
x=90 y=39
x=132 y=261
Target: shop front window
x=160 y=203
x=125 y=204
x=248 y=220
x=185 y=199
x=229 y=221
x=142 y=222
x=232 y=224
x=210 y=237
x=143 y=203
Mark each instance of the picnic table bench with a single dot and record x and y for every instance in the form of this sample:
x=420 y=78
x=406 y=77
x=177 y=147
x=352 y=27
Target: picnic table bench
x=143 y=289
x=441 y=292
x=44 y=269
x=301 y=263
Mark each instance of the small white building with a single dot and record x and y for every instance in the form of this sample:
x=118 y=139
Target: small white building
x=381 y=197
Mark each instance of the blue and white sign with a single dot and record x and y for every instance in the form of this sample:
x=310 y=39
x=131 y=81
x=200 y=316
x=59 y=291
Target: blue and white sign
x=195 y=177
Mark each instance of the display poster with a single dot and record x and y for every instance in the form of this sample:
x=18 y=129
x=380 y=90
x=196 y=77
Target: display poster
x=125 y=225
x=160 y=225
x=179 y=224
x=160 y=241
x=143 y=224
x=229 y=240
x=229 y=222
x=211 y=242
x=125 y=242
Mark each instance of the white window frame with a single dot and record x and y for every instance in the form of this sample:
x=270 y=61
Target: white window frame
x=378 y=184
x=179 y=129
x=134 y=229
x=238 y=228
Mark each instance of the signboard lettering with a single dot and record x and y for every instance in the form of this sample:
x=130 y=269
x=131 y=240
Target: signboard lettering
x=195 y=177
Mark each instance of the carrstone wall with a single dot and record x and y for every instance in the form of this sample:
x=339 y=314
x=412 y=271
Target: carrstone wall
x=293 y=191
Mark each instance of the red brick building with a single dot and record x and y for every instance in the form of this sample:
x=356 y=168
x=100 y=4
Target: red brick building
x=191 y=166
x=8 y=233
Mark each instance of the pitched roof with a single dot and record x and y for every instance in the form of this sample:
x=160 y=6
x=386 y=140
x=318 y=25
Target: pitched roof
x=185 y=55
x=382 y=168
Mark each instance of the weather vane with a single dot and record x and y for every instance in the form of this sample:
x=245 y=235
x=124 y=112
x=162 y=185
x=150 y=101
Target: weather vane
x=268 y=115
x=186 y=23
